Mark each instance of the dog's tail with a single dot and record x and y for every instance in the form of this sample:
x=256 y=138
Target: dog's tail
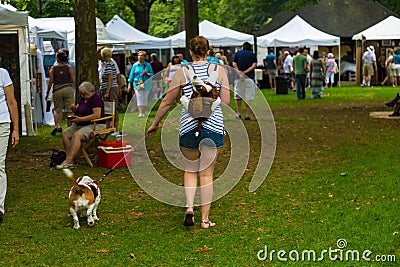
x=70 y=175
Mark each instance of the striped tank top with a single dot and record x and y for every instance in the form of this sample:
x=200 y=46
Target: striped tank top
x=215 y=122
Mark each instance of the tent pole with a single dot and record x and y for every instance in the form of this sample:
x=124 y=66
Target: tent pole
x=339 y=64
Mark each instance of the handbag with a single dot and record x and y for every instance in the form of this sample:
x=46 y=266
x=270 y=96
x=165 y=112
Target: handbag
x=139 y=85
x=322 y=75
x=336 y=68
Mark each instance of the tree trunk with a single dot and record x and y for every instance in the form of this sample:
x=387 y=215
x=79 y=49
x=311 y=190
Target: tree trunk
x=142 y=20
x=181 y=26
x=86 y=42
x=141 y=10
x=191 y=22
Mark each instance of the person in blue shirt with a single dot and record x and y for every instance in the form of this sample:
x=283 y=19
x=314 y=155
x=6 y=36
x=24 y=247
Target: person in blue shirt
x=245 y=62
x=184 y=62
x=210 y=58
x=271 y=68
x=141 y=71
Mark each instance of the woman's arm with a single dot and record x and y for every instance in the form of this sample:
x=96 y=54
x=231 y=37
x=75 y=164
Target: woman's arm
x=72 y=75
x=224 y=93
x=12 y=106
x=95 y=115
x=131 y=78
x=109 y=81
x=50 y=82
x=177 y=81
x=149 y=70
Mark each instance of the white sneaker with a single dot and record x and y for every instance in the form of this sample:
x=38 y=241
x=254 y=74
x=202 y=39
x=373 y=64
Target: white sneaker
x=65 y=165
x=141 y=115
x=115 y=133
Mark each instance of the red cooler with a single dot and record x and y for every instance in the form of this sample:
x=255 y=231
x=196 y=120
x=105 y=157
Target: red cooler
x=111 y=154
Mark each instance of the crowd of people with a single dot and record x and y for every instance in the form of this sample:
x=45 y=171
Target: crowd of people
x=302 y=70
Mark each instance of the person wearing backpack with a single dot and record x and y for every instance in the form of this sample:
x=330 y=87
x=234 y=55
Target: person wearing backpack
x=212 y=130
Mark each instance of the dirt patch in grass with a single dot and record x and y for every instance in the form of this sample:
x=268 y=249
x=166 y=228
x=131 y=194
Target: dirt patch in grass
x=304 y=129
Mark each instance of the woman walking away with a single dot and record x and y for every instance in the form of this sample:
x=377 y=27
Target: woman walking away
x=199 y=158
x=62 y=79
x=330 y=70
x=317 y=75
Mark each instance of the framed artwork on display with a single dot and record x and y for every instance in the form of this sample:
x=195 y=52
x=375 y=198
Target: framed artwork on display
x=386 y=42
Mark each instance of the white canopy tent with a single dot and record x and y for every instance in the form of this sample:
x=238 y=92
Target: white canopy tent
x=68 y=24
x=297 y=32
x=38 y=33
x=119 y=29
x=387 y=29
x=45 y=31
x=15 y=24
x=216 y=35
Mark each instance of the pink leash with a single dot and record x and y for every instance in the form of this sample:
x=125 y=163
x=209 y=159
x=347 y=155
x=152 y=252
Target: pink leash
x=134 y=147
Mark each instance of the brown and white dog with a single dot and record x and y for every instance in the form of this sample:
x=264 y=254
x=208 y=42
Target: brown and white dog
x=84 y=198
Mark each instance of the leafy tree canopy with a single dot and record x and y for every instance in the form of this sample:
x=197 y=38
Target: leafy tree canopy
x=165 y=16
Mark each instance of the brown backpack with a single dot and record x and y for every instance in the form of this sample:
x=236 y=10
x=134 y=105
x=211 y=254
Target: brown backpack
x=204 y=95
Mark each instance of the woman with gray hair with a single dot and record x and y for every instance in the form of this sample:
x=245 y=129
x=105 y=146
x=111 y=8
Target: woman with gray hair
x=90 y=107
x=109 y=82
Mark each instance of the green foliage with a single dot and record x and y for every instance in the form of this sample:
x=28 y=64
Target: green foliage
x=164 y=19
x=248 y=16
x=209 y=10
x=241 y=15
x=45 y=9
x=392 y=5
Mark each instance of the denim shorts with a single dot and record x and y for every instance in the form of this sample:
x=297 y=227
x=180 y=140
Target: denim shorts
x=206 y=137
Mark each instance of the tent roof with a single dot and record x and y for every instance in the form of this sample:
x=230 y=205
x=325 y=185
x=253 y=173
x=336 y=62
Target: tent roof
x=216 y=35
x=384 y=30
x=342 y=18
x=119 y=29
x=45 y=31
x=12 y=18
x=297 y=32
x=68 y=24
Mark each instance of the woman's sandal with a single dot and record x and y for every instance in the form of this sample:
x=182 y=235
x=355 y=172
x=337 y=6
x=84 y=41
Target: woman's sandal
x=207 y=224
x=189 y=219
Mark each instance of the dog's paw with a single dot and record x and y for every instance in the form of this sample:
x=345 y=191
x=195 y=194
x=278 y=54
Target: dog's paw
x=90 y=221
x=76 y=226
x=95 y=218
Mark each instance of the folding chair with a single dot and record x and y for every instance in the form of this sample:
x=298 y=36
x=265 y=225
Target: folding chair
x=99 y=135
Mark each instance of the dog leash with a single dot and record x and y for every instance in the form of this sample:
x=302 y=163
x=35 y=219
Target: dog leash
x=134 y=147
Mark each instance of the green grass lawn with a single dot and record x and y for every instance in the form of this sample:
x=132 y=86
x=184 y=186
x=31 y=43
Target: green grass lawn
x=335 y=176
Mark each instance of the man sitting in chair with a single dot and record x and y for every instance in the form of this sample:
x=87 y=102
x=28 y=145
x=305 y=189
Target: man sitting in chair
x=90 y=107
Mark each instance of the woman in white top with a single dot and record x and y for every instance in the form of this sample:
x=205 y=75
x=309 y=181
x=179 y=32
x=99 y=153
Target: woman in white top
x=172 y=67
x=8 y=114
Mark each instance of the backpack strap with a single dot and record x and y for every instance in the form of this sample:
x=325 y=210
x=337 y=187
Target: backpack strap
x=185 y=74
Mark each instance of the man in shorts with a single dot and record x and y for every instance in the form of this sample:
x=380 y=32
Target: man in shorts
x=271 y=68
x=244 y=61
x=369 y=60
